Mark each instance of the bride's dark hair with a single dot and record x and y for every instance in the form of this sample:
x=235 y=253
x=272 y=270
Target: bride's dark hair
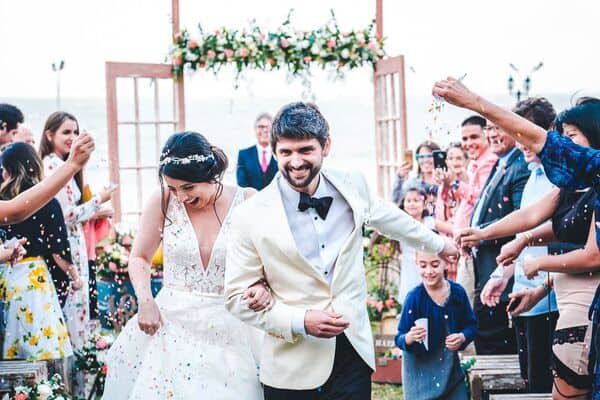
x=188 y=156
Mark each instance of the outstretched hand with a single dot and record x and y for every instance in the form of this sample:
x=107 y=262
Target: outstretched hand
x=455 y=92
x=81 y=150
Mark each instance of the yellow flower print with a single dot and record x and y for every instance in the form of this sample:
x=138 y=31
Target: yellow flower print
x=48 y=332
x=33 y=340
x=29 y=317
x=46 y=355
x=38 y=277
x=12 y=351
x=47 y=307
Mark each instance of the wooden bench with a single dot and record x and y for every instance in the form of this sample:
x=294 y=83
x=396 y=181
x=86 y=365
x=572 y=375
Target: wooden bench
x=494 y=374
x=522 y=396
x=13 y=373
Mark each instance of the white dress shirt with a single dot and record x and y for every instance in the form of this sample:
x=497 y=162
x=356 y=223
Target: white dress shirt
x=319 y=241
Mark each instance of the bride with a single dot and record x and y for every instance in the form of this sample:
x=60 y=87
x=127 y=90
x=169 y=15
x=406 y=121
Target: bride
x=184 y=344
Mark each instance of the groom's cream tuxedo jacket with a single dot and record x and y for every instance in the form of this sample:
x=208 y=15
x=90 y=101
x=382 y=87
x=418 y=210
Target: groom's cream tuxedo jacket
x=262 y=245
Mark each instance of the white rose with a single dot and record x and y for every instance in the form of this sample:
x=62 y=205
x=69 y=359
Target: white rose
x=345 y=53
x=191 y=57
x=221 y=41
x=305 y=44
x=44 y=391
x=315 y=49
x=221 y=56
x=323 y=54
x=249 y=40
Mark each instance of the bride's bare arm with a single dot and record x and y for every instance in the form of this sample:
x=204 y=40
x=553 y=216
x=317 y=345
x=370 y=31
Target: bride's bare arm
x=144 y=246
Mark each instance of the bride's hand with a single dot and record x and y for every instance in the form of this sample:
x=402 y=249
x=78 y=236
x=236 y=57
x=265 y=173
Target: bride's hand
x=149 y=317
x=258 y=297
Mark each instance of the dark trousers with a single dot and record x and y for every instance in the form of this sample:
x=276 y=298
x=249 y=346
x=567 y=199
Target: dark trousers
x=534 y=342
x=349 y=380
x=493 y=334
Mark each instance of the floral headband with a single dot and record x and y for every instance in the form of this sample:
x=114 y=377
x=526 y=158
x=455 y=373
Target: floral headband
x=186 y=160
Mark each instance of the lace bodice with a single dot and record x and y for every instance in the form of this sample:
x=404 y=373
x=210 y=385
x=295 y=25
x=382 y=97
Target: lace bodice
x=182 y=264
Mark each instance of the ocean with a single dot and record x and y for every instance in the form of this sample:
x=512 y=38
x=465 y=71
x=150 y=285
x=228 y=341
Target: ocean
x=228 y=123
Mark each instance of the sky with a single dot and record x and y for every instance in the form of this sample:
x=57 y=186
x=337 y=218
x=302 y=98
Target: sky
x=438 y=38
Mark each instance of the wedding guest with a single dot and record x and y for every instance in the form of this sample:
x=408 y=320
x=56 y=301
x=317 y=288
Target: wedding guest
x=60 y=130
x=424 y=177
x=256 y=165
x=431 y=367
x=482 y=160
x=534 y=328
x=10 y=118
x=31 y=200
x=35 y=326
x=414 y=204
x=449 y=196
x=569 y=165
x=25 y=135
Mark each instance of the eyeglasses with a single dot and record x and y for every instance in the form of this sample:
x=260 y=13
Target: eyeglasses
x=262 y=126
x=488 y=129
x=424 y=156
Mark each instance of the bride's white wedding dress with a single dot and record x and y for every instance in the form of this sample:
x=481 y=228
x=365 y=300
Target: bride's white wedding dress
x=201 y=351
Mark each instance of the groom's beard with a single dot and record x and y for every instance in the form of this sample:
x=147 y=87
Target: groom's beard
x=313 y=172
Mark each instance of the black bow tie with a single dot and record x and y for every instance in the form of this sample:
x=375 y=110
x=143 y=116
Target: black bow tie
x=321 y=205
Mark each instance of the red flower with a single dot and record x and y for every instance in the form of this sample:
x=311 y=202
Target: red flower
x=177 y=60
x=389 y=303
x=272 y=61
x=104 y=369
x=21 y=396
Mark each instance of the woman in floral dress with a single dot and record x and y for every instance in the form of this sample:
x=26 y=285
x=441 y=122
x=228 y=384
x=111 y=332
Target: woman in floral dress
x=60 y=130
x=35 y=326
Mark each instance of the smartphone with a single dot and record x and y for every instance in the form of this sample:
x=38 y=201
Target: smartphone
x=513 y=304
x=439 y=159
x=408 y=156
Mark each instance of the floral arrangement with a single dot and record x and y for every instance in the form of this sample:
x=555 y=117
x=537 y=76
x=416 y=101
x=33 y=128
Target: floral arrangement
x=379 y=302
x=113 y=255
x=51 y=389
x=251 y=48
x=91 y=359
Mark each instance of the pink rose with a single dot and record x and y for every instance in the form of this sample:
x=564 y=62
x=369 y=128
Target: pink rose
x=372 y=46
x=262 y=36
x=177 y=60
x=126 y=241
x=193 y=44
x=21 y=396
x=379 y=306
x=178 y=36
x=284 y=43
x=101 y=344
x=307 y=59
x=211 y=54
x=112 y=266
x=371 y=301
x=228 y=53
x=331 y=43
x=244 y=52
x=107 y=249
x=272 y=61
x=389 y=303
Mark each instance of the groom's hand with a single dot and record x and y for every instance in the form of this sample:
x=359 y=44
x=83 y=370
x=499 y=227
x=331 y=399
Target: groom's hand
x=450 y=252
x=324 y=324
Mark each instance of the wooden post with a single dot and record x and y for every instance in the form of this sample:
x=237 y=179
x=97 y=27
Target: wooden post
x=179 y=88
x=378 y=19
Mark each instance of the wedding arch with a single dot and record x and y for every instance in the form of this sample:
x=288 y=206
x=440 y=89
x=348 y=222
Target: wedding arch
x=134 y=140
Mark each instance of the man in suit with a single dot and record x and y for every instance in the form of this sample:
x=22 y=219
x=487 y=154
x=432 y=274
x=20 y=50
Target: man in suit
x=256 y=165
x=303 y=235
x=500 y=196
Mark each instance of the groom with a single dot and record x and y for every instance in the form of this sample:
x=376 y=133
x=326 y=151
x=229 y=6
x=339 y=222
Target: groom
x=303 y=235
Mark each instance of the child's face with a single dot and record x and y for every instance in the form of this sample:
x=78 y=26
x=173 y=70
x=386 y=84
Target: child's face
x=414 y=204
x=431 y=268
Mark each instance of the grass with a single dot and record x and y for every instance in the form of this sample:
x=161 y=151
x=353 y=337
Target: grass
x=386 y=392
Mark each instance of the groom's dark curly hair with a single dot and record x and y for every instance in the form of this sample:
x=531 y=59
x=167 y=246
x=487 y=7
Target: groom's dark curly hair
x=299 y=121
